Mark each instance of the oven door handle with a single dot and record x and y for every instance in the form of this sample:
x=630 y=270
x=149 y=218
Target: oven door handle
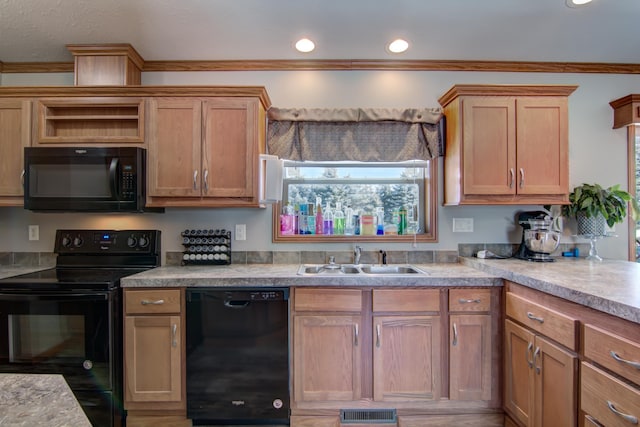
x=22 y=296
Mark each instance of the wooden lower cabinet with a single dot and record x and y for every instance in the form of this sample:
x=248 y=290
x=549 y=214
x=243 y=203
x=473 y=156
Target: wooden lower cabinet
x=372 y=349
x=540 y=380
x=154 y=376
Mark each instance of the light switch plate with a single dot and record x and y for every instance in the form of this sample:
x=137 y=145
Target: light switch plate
x=241 y=232
x=34 y=232
x=462 y=225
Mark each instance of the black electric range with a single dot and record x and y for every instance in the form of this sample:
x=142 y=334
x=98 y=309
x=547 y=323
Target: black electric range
x=68 y=319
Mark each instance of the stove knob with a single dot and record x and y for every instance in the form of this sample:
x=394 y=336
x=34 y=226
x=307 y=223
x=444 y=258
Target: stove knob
x=66 y=241
x=143 y=242
x=77 y=242
x=132 y=241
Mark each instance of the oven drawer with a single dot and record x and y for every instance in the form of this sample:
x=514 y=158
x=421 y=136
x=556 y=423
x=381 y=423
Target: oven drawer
x=607 y=399
x=548 y=322
x=152 y=301
x=613 y=352
x=469 y=300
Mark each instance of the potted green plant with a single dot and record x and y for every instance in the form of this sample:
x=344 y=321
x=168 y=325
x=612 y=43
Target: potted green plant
x=592 y=206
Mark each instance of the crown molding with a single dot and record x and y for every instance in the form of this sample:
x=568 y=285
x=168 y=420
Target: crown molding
x=347 y=64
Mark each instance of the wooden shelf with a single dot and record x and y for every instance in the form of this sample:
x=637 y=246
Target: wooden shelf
x=90 y=120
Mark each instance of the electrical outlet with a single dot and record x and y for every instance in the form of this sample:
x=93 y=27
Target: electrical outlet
x=462 y=225
x=241 y=232
x=34 y=232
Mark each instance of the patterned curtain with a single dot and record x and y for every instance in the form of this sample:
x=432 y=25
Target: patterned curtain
x=367 y=135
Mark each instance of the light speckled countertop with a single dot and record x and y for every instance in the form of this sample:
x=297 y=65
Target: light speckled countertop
x=609 y=286
x=284 y=275
x=29 y=400
x=15 y=270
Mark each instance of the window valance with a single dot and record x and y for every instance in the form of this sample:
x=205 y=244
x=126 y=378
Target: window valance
x=367 y=135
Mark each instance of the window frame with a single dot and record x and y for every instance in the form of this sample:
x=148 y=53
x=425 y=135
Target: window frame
x=430 y=213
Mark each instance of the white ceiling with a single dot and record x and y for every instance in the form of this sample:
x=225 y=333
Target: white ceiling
x=504 y=30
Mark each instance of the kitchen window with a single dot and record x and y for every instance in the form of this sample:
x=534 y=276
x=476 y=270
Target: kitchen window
x=367 y=201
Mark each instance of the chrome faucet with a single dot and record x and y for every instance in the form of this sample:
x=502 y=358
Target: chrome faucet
x=357 y=252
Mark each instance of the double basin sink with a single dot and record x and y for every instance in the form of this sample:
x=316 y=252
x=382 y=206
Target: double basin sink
x=358 y=269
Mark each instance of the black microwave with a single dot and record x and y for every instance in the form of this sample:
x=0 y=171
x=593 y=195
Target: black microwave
x=91 y=179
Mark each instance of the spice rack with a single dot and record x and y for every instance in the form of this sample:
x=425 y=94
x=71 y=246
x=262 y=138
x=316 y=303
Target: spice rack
x=206 y=247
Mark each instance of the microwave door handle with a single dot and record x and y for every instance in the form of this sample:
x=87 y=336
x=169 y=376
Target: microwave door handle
x=113 y=176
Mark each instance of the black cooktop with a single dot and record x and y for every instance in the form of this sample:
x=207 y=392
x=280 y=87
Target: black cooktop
x=92 y=260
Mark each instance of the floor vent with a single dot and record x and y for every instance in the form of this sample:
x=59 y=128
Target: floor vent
x=369 y=416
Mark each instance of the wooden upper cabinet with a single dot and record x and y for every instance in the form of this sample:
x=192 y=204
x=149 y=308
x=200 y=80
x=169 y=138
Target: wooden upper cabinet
x=15 y=134
x=204 y=151
x=506 y=144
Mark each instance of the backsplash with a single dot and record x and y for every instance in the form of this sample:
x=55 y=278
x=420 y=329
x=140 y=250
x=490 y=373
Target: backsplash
x=47 y=259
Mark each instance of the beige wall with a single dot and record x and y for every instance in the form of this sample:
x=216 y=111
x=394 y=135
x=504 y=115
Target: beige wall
x=597 y=153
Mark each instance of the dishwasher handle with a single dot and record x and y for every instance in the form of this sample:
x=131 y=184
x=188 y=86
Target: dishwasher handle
x=236 y=303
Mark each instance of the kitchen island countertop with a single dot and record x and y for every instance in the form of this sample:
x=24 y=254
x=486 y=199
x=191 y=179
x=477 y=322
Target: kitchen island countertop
x=30 y=400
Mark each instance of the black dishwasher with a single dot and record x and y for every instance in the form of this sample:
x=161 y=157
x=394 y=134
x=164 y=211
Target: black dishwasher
x=237 y=356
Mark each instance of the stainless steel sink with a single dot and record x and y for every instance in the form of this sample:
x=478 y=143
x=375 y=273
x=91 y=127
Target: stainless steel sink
x=327 y=269
x=351 y=269
x=391 y=269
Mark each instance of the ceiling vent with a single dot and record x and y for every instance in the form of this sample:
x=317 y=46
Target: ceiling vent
x=106 y=64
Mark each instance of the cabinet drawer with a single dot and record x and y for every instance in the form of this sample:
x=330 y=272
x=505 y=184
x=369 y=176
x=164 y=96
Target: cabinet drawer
x=327 y=299
x=555 y=325
x=152 y=301
x=613 y=352
x=607 y=399
x=469 y=299
x=406 y=300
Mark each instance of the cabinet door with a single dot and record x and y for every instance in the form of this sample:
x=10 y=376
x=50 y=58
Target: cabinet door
x=230 y=147
x=153 y=364
x=489 y=153
x=15 y=131
x=175 y=147
x=542 y=145
x=470 y=357
x=406 y=358
x=518 y=373
x=555 y=385
x=327 y=358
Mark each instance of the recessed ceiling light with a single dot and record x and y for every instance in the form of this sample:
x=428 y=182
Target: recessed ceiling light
x=305 y=45
x=577 y=3
x=398 y=46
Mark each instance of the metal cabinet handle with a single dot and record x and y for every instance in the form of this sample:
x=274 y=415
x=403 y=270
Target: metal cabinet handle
x=156 y=302
x=469 y=301
x=629 y=418
x=593 y=420
x=378 y=333
x=526 y=355
x=512 y=177
x=206 y=179
x=195 y=179
x=532 y=316
x=628 y=362
x=455 y=335
x=174 y=332
x=22 y=178
x=536 y=356
x=355 y=334
x=521 y=178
